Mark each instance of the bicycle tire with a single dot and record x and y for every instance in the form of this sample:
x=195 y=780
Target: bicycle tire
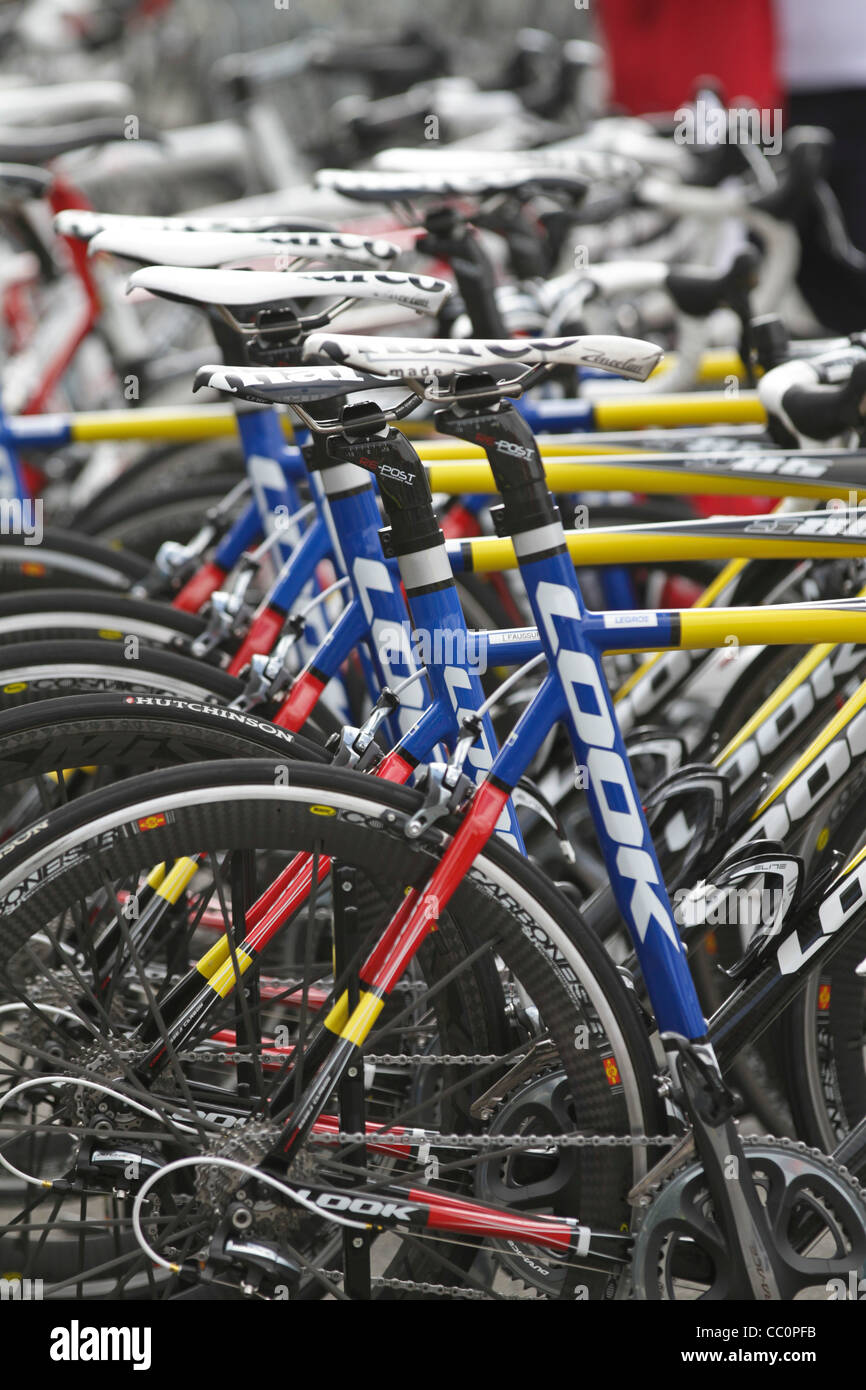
x=81 y=614
x=824 y=1030
x=504 y=901
x=141 y=524
x=62 y=555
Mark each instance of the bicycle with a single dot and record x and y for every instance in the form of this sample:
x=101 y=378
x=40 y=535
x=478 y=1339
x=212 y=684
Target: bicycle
x=531 y=518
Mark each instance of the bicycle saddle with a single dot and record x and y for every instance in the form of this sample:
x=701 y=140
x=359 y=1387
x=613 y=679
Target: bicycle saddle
x=569 y=159
x=18 y=182
x=65 y=101
x=699 y=292
x=41 y=144
x=205 y=249
x=285 y=385
x=412 y=358
x=84 y=223
x=382 y=186
x=807 y=150
x=251 y=290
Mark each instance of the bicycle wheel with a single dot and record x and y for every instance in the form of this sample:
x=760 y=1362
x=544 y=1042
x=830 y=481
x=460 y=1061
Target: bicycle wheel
x=55 y=750
x=81 y=614
x=141 y=524
x=157 y=470
x=31 y=671
x=824 y=1031
x=501 y=978
x=62 y=557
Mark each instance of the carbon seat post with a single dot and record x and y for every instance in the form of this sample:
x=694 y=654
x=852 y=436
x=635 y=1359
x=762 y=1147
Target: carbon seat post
x=449 y=236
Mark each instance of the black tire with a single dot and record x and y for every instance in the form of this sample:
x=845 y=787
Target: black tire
x=44 y=670
x=82 y=615
x=504 y=911
x=823 y=1033
x=55 y=750
x=64 y=557
x=171 y=466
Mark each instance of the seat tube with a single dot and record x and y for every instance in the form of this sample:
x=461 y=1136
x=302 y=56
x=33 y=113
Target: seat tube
x=530 y=516
x=439 y=633
x=353 y=518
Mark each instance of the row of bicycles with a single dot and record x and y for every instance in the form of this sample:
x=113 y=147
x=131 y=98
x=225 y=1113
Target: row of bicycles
x=433 y=856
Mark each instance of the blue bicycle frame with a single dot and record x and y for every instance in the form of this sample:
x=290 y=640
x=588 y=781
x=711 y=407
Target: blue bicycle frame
x=575 y=693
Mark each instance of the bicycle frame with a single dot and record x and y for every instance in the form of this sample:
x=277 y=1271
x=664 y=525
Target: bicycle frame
x=574 y=693
x=52 y=431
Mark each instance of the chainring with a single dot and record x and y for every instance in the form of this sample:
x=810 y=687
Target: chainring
x=815 y=1209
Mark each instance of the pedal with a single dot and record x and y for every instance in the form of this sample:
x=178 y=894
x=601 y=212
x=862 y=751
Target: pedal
x=700 y=1089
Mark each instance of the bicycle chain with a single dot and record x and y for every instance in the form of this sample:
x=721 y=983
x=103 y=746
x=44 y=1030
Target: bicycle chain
x=382 y=1059
x=476 y=1141
x=416 y=1286
x=496 y=1141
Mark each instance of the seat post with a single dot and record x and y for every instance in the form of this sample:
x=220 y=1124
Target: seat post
x=448 y=235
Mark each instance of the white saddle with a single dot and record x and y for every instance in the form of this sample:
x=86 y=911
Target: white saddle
x=416 y=358
x=284 y=384
x=593 y=165
x=84 y=223
x=64 y=101
x=253 y=289
x=207 y=249
x=381 y=186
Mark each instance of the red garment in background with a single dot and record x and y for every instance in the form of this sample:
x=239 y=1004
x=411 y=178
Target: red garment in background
x=657 y=48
